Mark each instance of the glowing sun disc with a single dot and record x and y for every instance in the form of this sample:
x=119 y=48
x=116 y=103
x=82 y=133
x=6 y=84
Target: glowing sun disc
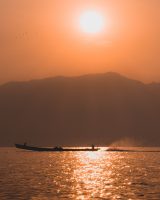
x=91 y=22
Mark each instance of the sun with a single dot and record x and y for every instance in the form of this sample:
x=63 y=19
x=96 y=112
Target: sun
x=91 y=22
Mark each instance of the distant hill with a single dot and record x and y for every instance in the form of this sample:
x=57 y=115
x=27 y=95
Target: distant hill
x=94 y=108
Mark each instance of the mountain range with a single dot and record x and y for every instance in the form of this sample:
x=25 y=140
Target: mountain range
x=72 y=111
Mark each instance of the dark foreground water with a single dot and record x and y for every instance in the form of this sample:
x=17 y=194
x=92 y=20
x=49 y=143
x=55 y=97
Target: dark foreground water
x=79 y=175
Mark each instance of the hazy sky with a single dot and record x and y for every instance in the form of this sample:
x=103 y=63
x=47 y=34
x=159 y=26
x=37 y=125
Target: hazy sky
x=44 y=38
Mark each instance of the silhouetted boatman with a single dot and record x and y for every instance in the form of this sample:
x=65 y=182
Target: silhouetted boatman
x=93 y=146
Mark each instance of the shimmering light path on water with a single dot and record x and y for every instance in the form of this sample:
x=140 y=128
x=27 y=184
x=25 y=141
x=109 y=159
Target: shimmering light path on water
x=78 y=175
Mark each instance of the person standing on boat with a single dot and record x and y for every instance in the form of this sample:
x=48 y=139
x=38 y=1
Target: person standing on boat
x=92 y=146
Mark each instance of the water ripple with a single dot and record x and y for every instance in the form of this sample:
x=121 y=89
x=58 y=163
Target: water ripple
x=78 y=175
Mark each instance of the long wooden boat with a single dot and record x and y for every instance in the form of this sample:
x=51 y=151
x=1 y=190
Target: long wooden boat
x=33 y=148
x=119 y=150
x=115 y=149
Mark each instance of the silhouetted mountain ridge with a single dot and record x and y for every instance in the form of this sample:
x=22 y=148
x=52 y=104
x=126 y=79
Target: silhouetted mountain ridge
x=94 y=108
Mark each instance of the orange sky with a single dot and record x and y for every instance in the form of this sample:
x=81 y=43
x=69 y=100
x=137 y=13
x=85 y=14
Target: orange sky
x=43 y=38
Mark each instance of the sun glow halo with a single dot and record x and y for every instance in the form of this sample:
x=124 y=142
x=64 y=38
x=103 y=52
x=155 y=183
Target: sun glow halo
x=91 y=22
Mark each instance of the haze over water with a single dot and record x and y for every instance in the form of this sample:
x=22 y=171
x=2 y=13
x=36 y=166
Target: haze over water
x=79 y=175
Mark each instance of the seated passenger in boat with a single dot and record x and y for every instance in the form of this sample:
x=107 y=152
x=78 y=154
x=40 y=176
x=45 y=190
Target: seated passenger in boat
x=58 y=148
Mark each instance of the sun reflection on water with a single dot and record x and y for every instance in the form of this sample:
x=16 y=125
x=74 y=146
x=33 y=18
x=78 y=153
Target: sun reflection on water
x=90 y=156
x=89 y=175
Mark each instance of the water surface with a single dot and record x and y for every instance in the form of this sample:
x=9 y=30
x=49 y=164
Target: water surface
x=78 y=175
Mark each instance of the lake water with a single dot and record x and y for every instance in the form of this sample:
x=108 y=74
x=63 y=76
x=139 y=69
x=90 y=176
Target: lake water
x=79 y=175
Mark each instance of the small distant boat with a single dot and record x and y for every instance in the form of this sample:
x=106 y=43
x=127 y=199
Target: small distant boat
x=116 y=149
x=33 y=148
x=119 y=149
